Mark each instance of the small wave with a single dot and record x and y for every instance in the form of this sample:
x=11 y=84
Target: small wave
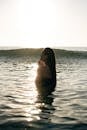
x=36 y=52
x=70 y=53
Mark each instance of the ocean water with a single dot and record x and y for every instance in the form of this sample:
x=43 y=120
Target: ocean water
x=21 y=107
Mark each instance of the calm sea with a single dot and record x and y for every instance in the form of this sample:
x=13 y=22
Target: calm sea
x=21 y=107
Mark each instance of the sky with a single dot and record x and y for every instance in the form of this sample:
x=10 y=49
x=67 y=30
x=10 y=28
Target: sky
x=43 y=23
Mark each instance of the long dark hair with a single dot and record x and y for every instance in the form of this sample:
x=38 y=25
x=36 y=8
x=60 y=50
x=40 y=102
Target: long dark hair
x=48 y=57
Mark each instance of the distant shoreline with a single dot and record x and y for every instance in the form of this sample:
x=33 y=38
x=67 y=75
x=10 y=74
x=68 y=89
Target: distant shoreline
x=35 y=52
x=60 y=48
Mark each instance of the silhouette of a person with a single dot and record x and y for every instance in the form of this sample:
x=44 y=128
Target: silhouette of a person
x=46 y=72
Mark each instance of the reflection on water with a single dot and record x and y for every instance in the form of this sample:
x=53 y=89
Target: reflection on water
x=22 y=107
x=21 y=101
x=38 y=106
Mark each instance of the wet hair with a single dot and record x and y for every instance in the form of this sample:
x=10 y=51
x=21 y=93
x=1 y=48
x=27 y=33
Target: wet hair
x=48 y=57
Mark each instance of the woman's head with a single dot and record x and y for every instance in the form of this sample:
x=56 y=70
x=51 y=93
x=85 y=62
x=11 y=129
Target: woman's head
x=48 y=57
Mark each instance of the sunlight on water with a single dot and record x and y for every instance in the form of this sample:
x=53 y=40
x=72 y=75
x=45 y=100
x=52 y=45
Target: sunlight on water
x=31 y=78
x=31 y=111
x=22 y=106
x=32 y=72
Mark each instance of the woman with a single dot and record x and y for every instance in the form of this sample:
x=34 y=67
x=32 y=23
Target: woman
x=46 y=72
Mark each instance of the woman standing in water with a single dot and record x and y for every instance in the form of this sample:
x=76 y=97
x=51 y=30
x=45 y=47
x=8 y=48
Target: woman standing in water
x=46 y=72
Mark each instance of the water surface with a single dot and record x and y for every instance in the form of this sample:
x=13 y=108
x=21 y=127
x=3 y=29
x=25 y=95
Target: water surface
x=22 y=108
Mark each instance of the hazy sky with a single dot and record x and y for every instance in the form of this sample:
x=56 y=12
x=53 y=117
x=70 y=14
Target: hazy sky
x=40 y=23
